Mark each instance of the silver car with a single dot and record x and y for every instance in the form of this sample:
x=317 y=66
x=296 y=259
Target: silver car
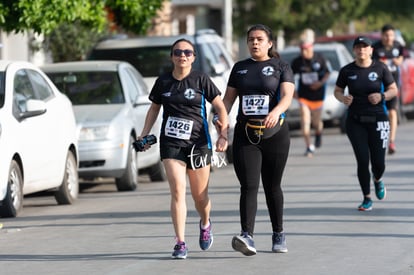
x=337 y=56
x=110 y=101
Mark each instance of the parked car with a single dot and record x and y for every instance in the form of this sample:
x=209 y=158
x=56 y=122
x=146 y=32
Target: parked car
x=38 y=142
x=406 y=95
x=151 y=57
x=110 y=101
x=337 y=56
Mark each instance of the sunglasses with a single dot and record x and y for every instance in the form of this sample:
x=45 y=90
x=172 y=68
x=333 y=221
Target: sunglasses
x=187 y=53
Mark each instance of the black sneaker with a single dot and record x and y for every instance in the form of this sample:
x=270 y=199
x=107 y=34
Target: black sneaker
x=279 y=243
x=318 y=140
x=244 y=244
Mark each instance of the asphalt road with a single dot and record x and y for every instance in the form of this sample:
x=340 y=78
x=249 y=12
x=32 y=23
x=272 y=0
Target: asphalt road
x=109 y=232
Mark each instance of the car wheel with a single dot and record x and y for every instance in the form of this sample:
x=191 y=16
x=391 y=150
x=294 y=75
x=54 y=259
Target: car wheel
x=157 y=172
x=13 y=201
x=129 y=180
x=69 y=189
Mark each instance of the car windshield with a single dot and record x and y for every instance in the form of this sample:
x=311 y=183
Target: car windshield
x=2 y=90
x=149 y=61
x=89 y=87
x=329 y=55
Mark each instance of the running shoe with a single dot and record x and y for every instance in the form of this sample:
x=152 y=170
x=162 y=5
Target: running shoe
x=318 y=140
x=391 y=148
x=309 y=152
x=279 y=243
x=380 y=190
x=180 y=251
x=206 y=237
x=244 y=244
x=366 y=205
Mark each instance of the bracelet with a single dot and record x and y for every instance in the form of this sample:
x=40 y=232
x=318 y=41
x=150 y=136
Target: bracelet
x=215 y=118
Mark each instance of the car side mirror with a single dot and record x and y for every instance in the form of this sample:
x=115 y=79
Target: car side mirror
x=218 y=69
x=34 y=107
x=142 y=100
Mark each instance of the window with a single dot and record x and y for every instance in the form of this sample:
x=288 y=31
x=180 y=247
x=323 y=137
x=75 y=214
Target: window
x=89 y=87
x=40 y=86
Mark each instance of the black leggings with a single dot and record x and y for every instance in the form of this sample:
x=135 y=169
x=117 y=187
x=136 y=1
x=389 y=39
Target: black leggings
x=369 y=141
x=266 y=159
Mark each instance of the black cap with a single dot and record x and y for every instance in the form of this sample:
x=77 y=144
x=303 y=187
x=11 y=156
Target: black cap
x=362 y=40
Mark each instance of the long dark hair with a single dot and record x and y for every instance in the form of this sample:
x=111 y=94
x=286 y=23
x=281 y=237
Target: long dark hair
x=260 y=27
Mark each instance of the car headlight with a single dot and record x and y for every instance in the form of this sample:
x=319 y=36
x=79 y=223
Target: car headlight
x=93 y=133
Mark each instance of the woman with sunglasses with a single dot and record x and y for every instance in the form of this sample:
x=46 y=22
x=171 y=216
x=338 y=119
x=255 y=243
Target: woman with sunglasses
x=185 y=143
x=264 y=85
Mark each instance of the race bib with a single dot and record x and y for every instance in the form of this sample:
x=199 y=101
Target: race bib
x=255 y=105
x=178 y=128
x=309 y=78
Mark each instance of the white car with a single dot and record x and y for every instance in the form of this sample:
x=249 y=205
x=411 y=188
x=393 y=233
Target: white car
x=110 y=101
x=150 y=55
x=337 y=56
x=38 y=142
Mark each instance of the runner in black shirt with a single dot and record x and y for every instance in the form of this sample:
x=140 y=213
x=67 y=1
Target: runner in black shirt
x=391 y=52
x=313 y=74
x=185 y=143
x=264 y=85
x=370 y=84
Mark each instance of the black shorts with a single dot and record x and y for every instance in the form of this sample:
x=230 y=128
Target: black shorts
x=195 y=157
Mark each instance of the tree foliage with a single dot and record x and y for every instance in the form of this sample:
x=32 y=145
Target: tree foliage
x=44 y=16
x=72 y=27
x=292 y=16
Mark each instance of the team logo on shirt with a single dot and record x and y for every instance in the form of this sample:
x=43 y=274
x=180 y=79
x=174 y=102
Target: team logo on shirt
x=316 y=66
x=373 y=76
x=395 y=52
x=268 y=70
x=189 y=93
x=167 y=94
x=242 y=72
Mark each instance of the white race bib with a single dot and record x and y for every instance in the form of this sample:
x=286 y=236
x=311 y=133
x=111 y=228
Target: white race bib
x=309 y=78
x=255 y=105
x=178 y=128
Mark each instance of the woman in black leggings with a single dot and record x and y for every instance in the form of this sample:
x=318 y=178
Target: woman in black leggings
x=264 y=85
x=370 y=84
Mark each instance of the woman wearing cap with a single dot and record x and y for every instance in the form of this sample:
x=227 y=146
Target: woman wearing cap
x=370 y=84
x=264 y=85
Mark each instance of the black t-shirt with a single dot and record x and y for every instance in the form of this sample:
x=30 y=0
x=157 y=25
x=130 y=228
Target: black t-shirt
x=310 y=71
x=184 y=108
x=364 y=81
x=382 y=53
x=258 y=85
